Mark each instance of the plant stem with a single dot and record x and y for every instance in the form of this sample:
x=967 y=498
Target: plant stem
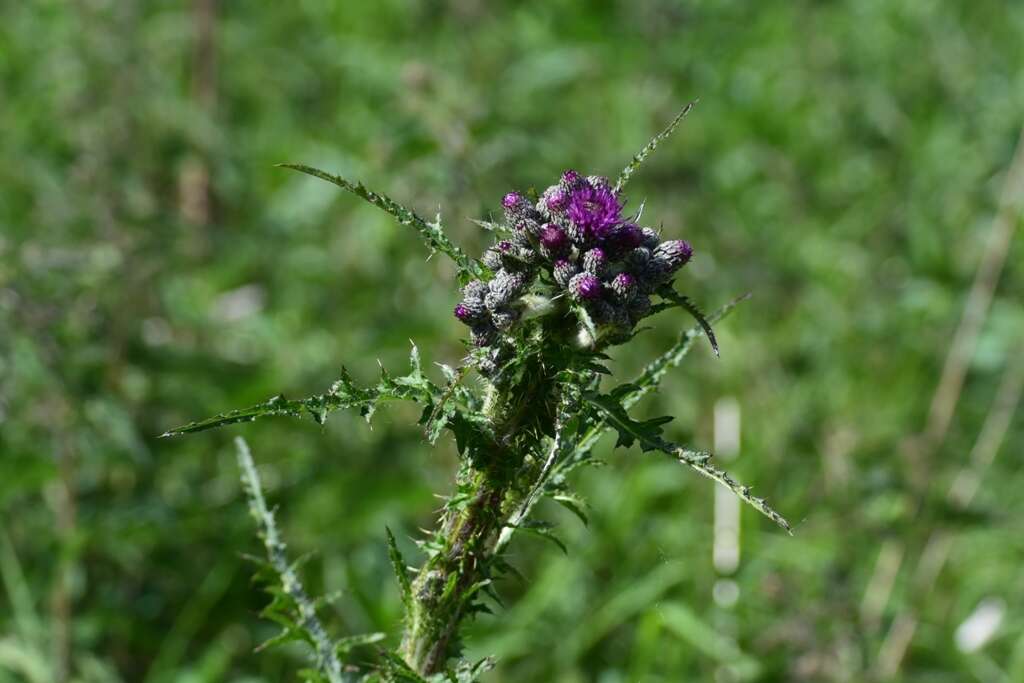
x=443 y=590
x=444 y=587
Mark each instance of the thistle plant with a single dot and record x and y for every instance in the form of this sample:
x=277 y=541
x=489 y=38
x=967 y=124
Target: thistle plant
x=570 y=276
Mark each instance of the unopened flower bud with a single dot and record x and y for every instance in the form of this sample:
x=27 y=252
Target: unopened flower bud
x=475 y=289
x=554 y=200
x=563 y=271
x=639 y=307
x=624 y=287
x=624 y=238
x=651 y=238
x=553 y=240
x=674 y=254
x=518 y=211
x=504 y=318
x=492 y=259
x=595 y=261
x=638 y=259
x=471 y=311
x=505 y=287
x=484 y=335
x=585 y=287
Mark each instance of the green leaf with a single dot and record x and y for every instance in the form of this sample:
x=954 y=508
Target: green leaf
x=344 y=393
x=431 y=233
x=542 y=530
x=684 y=302
x=344 y=645
x=640 y=156
x=399 y=567
x=647 y=435
x=573 y=504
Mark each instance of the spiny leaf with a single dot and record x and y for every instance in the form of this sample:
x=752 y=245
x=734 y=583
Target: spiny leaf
x=344 y=393
x=394 y=669
x=343 y=645
x=573 y=504
x=691 y=308
x=648 y=436
x=656 y=369
x=646 y=382
x=399 y=567
x=543 y=530
x=290 y=606
x=431 y=233
x=650 y=147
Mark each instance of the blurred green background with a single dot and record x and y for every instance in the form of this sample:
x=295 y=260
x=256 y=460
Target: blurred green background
x=845 y=165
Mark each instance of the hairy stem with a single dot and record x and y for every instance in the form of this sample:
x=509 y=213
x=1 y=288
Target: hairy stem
x=444 y=589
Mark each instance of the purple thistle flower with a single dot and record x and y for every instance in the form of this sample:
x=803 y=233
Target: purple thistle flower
x=594 y=209
x=511 y=200
x=585 y=287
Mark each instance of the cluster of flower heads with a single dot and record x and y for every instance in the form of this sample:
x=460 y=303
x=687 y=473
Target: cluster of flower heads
x=576 y=238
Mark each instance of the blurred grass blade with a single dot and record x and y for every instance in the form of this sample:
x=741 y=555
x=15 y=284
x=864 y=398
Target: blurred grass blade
x=627 y=602
x=431 y=233
x=29 y=627
x=683 y=622
x=640 y=156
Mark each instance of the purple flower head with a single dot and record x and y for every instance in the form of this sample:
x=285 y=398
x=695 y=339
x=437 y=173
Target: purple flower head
x=511 y=200
x=571 y=177
x=585 y=287
x=553 y=238
x=594 y=209
x=505 y=247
